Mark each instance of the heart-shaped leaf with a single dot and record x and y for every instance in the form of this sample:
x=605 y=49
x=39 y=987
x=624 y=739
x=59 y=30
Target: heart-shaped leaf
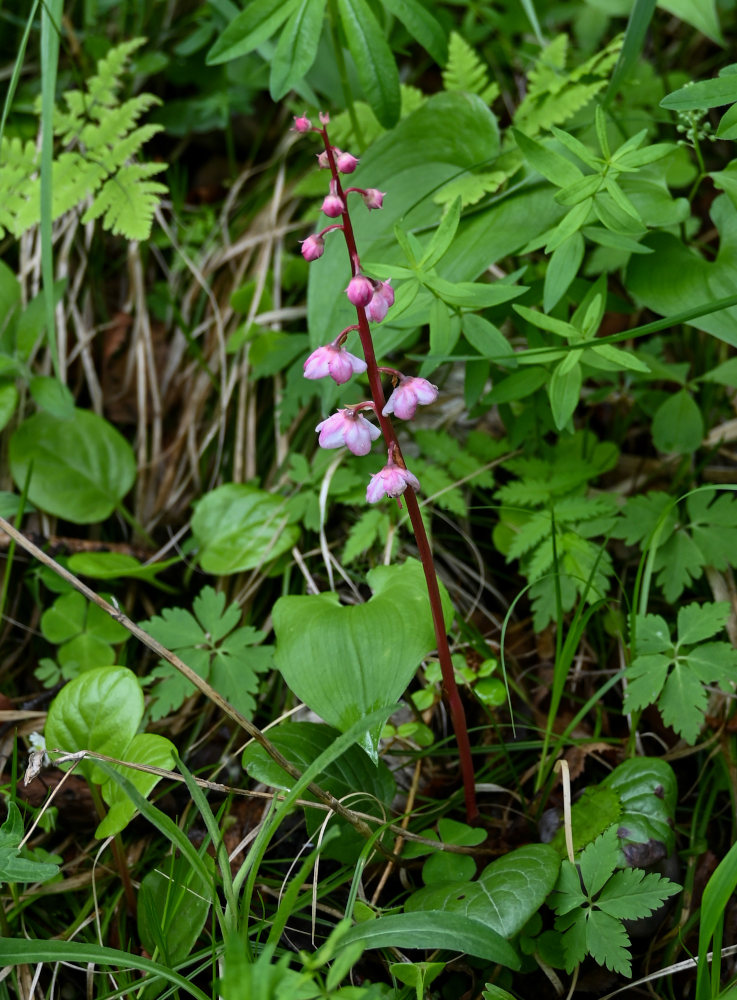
x=100 y=710
x=145 y=748
x=345 y=662
x=506 y=894
x=82 y=466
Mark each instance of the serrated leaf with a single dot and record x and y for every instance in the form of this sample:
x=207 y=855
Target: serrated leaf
x=608 y=942
x=598 y=860
x=370 y=527
x=683 y=702
x=646 y=676
x=465 y=71
x=630 y=893
x=128 y=200
x=697 y=622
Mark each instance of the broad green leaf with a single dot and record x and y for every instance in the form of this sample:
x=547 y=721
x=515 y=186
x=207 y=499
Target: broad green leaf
x=516 y=386
x=351 y=773
x=145 y=748
x=100 y=710
x=473 y=294
x=650 y=280
x=504 y=897
x=596 y=810
x=250 y=28
x=647 y=792
x=51 y=395
x=345 y=662
x=727 y=128
x=82 y=466
x=13 y=867
x=678 y=424
x=116 y=565
x=239 y=527
x=700 y=14
x=173 y=904
x=703 y=95
x=296 y=48
x=422 y=26
x=375 y=64
x=432 y=930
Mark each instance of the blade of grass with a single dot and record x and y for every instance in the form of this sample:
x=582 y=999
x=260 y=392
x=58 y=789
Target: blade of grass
x=50 y=34
x=718 y=889
x=634 y=37
x=17 y=67
x=20 y=951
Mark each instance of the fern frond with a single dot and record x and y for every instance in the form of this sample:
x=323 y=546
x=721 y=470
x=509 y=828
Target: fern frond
x=553 y=94
x=127 y=201
x=465 y=71
x=470 y=187
x=101 y=136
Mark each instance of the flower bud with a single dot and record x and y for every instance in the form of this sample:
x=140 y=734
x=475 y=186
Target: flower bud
x=333 y=205
x=335 y=362
x=324 y=118
x=313 y=247
x=360 y=290
x=373 y=198
x=346 y=163
x=322 y=160
x=391 y=481
x=302 y=124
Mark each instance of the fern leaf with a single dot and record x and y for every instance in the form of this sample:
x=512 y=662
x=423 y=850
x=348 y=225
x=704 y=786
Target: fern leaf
x=470 y=187
x=465 y=71
x=127 y=201
x=104 y=85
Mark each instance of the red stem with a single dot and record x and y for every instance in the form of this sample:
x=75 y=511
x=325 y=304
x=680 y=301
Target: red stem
x=457 y=713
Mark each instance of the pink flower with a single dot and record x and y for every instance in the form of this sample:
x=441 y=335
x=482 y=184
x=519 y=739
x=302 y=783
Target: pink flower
x=333 y=361
x=410 y=391
x=333 y=206
x=324 y=118
x=378 y=307
x=346 y=162
x=302 y=124
x=349 y=428
x=373 y=198
x=391 y=481
x=313 y=247
x=322 y=160
x=360 y=290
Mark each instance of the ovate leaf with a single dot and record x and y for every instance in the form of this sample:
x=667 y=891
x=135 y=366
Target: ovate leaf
x=82 y=466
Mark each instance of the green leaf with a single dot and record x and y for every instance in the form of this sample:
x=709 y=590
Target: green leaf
x=20 y=951
x=703 y=95
x=100 y=710
x=145 y=748
x=250 y=28
x=564 y=390
x=507 y=893
x=375 y=65
x=562 y=269
x=422 y=26
x=81 y=467
x=465 y=71
x=631 y=894
x=372 y=526
x=697 y=622
x=8 y=403
x=473 y=294
x=52 y=395
x=351 y=773
x=296 y=48
x=443 y=236
x=173 y=904
x=345 y=662
x=431 y=930
x=116 y=566
x=678 y=424
x=647 y=792
x=13 y=867
x=598 y=860
x=127 y=201
x=487 y=339
x=239 y=527
x=556 y=168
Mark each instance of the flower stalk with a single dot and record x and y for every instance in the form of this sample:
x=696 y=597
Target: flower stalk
x=371 y=300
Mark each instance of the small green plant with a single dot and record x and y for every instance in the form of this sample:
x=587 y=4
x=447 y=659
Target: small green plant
x=592 y=899
x=209 y=641
x=673 y=673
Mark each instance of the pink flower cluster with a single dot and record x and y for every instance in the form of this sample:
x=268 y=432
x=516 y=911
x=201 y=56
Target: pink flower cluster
x=373 y=299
